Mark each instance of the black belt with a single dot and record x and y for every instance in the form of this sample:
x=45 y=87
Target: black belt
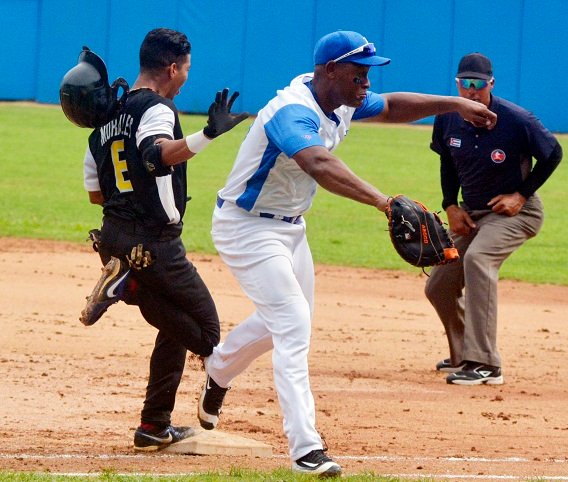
x=166 y=232
x=286 y=219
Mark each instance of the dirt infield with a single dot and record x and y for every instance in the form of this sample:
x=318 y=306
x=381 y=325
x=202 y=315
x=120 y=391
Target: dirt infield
x=71 y=395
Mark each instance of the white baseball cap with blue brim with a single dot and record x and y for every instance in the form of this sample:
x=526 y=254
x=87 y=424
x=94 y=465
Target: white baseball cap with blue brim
x=346 y=46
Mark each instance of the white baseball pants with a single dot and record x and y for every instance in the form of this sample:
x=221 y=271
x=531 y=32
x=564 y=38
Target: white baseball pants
x=272 y=261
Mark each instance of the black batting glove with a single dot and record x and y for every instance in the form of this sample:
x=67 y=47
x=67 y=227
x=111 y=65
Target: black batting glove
x=220 y=118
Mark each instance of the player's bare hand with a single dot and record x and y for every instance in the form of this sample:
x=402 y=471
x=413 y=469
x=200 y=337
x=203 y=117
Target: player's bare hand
x=507 y=204
x=478 y=114
x=459 y=221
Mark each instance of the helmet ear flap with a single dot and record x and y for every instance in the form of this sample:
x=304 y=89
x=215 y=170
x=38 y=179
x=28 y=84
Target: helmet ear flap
x=86 y=97
x=120 y=83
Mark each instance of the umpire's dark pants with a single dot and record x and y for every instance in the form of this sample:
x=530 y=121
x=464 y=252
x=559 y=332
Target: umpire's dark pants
x=173 y=298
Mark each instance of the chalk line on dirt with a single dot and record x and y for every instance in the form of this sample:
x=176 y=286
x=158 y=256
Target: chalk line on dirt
x=380 y=458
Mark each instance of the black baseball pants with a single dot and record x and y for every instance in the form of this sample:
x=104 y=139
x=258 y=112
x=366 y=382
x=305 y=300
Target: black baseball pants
x=173 y=298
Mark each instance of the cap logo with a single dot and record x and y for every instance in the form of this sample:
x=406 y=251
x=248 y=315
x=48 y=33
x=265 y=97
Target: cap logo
x=498 y=156
x=347 y=46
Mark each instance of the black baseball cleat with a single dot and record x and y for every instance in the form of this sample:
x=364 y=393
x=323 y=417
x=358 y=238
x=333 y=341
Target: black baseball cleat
x=150 y=441
x=108 y=290
x=210 y=404
x=474 y=373
x=447 y=367
x=316 y=462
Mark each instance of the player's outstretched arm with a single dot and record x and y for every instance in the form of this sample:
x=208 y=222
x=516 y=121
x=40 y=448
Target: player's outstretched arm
x=220 y=120
x=334 y=175
x=410 y=106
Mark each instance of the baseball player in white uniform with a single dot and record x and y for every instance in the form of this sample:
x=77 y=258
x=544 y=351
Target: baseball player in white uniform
x=260 y=233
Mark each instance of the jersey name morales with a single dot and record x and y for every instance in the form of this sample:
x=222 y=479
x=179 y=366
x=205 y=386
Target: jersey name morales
x=120 y=126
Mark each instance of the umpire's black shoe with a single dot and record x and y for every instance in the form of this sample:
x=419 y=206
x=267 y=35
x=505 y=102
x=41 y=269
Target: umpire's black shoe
x=474 y=373
x=316 y=462
x=150 y=440
x=108 y=290
x=210 y=404
x=447 y=367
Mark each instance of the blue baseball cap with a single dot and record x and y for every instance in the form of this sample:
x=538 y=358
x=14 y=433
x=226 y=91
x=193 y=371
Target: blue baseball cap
x=347 y=46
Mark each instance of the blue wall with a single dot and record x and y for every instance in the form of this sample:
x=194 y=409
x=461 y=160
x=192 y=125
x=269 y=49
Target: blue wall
x=257 y=46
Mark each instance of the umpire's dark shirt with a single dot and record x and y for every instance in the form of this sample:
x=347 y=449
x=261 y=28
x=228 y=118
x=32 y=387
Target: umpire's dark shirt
x=485 y=163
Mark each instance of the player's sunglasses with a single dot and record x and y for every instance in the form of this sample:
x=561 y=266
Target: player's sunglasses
x=368 y=49
x=475 y=83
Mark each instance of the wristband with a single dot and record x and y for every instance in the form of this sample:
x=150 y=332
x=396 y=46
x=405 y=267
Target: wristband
x=197 y=142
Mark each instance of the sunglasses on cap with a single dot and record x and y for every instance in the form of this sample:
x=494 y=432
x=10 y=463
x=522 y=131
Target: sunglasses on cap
x=475 y=83
x=368 y=48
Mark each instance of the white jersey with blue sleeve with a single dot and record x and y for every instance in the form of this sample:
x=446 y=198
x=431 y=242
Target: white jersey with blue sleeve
x=265 y=178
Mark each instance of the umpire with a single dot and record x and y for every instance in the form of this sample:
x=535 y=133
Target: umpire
x=135 y=167
x=499 y=212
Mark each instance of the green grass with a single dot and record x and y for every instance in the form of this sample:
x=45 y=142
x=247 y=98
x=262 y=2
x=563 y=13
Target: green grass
x=234 y=475
x=42 y=196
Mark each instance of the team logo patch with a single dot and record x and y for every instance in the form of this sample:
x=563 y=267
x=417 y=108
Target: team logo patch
x=455 y=142
x=498 y=156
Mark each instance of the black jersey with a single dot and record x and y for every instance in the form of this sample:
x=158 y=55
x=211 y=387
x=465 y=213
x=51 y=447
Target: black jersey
x=129 y=190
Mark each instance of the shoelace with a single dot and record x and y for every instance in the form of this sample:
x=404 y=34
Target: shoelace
x=316 y=457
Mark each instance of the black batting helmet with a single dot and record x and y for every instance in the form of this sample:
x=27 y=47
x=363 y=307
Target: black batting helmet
x=86 y=97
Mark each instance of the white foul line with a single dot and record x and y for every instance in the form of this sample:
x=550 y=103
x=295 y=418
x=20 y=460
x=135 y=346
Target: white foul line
x=380 y=458
x=421 y=476
x=384 y=458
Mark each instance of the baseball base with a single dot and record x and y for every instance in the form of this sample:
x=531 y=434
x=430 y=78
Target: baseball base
x=215 y=442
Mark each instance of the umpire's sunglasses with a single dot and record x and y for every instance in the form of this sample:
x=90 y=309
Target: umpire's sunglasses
x=475 y=83
x=368 y=49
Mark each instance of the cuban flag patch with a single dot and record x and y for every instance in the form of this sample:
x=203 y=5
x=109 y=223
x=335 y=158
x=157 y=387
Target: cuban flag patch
x=454 y=142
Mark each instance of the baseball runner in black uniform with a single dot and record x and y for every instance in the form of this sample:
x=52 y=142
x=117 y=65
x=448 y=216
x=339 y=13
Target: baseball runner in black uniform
x=500 y=211
x=135 y=166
